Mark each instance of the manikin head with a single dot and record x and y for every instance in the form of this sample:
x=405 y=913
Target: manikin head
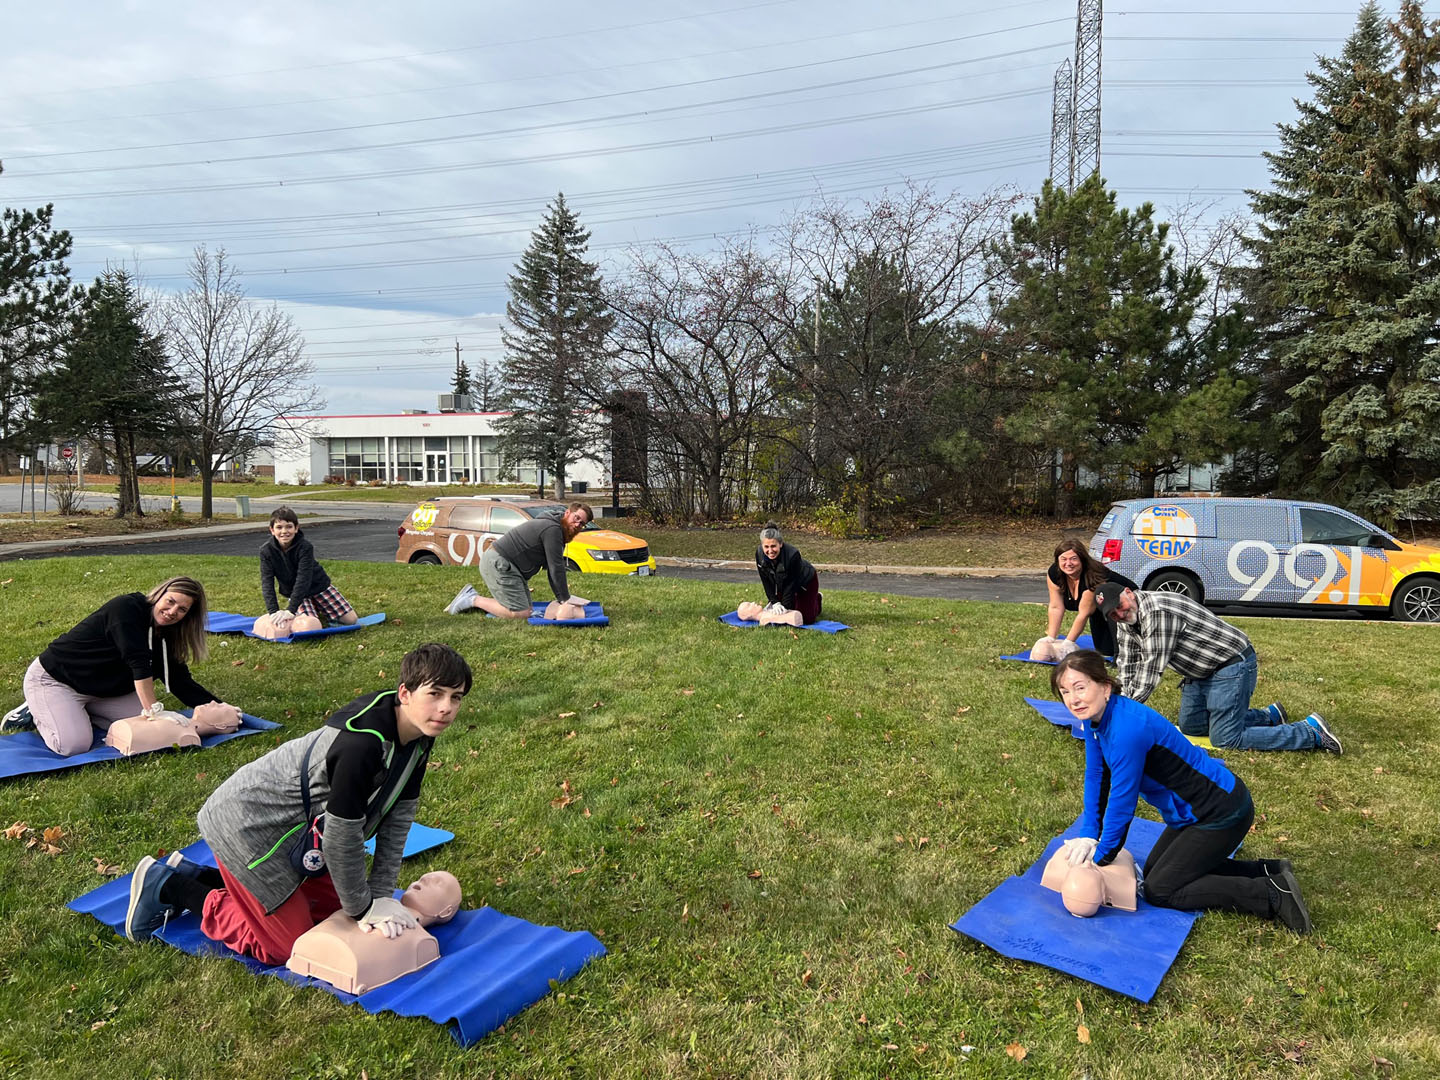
x=434 y=897
x=1084 y=891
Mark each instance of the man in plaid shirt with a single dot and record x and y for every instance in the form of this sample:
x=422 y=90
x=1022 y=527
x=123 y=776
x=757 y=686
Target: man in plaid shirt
x=1217 y=665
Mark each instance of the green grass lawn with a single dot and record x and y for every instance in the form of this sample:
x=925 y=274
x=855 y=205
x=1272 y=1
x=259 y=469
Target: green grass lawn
x=770 y=831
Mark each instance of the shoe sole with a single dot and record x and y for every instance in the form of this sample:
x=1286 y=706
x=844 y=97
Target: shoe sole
x=455 y=608
x=137 y=886
x=1326 y=735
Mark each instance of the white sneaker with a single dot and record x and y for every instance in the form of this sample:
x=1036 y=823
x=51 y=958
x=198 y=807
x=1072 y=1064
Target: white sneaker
x=17 y=719
x=462 y=602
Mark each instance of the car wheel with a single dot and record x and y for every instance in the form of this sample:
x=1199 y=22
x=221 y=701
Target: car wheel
x=425 y=558
x=1417 y=600
x=1176 y=581
x=571 y=566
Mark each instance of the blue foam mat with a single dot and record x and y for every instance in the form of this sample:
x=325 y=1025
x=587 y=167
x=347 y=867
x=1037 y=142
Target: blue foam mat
x=594 y=616
x=227 y=622
x=1084 y=641
x=25 y=752
x=1057 y=714
x=491 y=966
x=825 y=626
x=1125 y=951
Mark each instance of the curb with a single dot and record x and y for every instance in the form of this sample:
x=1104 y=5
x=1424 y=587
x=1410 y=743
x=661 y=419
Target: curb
x=856 y=568
x=36 y=546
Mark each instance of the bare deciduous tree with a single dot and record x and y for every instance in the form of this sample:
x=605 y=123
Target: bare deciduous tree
x=242 y=364
x=696 y=334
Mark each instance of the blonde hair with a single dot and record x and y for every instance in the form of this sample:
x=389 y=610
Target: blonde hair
x=187 y=637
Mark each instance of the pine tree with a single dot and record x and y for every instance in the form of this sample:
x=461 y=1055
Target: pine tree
x=1347 y=280
x=557 y=324
x=460 y=382
x=35 y=301
x=1099 y=327
x=115 y=382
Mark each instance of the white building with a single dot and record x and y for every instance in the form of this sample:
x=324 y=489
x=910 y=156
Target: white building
x=409 y=447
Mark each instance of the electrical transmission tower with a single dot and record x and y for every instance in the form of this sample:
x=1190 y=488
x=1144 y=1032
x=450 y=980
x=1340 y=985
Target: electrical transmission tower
x=1062 y=121
x=1075 y=110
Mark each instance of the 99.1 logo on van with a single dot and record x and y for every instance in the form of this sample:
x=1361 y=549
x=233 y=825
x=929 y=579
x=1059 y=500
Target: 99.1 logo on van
x=1164 y=532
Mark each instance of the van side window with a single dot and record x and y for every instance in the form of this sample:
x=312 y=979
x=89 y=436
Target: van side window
x=505 y=518
x=468 y=517
x=1324 y=527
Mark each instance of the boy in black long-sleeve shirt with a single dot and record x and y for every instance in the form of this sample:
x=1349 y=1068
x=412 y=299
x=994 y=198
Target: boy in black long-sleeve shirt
x=288 y=560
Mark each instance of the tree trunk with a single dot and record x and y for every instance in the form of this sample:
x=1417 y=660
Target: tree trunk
x=862 y=507
x=559 y=482
x=1069 y=474
x=712 y=484
x=1146 y=478
x=207 y=480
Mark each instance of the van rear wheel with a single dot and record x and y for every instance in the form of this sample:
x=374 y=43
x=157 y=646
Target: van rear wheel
x=1417 y=600
x=1176 y=581
x=425 y=558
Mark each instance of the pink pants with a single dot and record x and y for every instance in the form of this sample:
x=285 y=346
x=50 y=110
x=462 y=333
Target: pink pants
x=233 y=917
x=65 y=718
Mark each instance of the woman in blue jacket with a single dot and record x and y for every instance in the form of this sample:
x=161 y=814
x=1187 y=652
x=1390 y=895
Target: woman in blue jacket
x=1131 y=752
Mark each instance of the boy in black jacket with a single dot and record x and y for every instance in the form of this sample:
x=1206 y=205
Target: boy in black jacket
x=288 y=559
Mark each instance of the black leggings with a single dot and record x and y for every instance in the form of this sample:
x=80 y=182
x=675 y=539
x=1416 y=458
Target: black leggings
x=1102 y=630
x=1191 y=869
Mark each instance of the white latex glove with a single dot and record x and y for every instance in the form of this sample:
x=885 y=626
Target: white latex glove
x=154 y=709
x=1080 y=849
x=579 y=601
x=387 y=916
x=778 y=608
x=1063 y=647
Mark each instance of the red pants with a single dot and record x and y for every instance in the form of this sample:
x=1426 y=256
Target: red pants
x=807 y=600
x=233 y=917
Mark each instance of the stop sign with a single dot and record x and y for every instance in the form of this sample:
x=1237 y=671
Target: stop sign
x=67 y=452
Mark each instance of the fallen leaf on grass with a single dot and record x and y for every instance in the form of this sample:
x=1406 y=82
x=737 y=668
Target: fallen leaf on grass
x=1382 y=1063
x=753 y=874
x=54 y=834
x=570 y=735
x=105 y=869
x=688 y=692
x=1016 y=1051
x=16 y=831
x=889 y=1046
x=805 y=978
x=1079 y=1008
x=237 y=663
x=567 y=715
x=1082 y=1033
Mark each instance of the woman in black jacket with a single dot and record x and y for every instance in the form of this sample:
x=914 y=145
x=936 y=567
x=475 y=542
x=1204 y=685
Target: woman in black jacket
x=789 y=580
x=105 y=668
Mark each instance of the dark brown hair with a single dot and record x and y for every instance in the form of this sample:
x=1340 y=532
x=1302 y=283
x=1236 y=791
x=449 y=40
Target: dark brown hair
x=284 y=513
x=1087 y=662
x=434 y=664
x=1092 y=573
x=589 y=514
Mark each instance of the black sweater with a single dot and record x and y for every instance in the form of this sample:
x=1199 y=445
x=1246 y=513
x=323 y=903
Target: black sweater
x=536 y=543
x=294 y=569
x=784 y=576
x=112 y=649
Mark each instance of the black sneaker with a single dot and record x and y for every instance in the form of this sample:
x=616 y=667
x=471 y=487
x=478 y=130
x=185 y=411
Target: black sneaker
x=17 y=719
x=1324 y=738
x=1290 y=908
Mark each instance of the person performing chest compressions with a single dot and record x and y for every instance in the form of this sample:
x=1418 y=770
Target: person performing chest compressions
x=792 y=585
x=1072 y=579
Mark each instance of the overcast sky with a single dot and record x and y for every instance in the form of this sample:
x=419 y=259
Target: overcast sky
x=377 y=168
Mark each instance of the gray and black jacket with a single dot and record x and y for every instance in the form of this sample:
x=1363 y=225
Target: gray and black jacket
x=361 y=778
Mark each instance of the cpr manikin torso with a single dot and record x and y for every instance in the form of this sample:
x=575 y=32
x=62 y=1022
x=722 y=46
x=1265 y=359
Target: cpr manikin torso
x=1085 y=889
x=338 y=952
x=1052 y=649
x=141 y=734
x=266 y=627
x=767 y=616
x=563 y=612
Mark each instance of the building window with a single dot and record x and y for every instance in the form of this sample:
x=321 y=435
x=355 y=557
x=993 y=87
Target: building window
x=360 y=460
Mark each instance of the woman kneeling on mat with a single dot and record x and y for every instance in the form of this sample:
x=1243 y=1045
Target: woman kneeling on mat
x=105 y=668
x=791 y=584
x=1132 y=751
x=1072 y=580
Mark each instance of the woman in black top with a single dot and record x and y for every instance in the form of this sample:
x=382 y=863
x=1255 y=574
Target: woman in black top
x=1073 y=578
x=105 y=668
x=789 y=580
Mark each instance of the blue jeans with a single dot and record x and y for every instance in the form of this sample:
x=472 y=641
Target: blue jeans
x=1219 y=706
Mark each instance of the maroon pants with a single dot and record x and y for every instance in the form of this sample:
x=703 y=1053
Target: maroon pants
x=807 y=600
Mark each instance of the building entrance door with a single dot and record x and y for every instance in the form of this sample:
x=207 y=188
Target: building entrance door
x=435 y=467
